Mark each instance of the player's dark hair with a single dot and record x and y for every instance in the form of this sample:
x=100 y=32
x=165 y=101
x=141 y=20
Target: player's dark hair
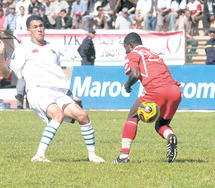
x=31 y=18
x=133 y=38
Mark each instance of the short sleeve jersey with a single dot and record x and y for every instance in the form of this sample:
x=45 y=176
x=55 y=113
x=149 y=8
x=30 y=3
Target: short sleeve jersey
x=194 y=7
x=40 y=65
x=154 y=72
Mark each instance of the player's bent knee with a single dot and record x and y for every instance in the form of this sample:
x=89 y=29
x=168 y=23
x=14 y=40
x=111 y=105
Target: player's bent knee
x=59 y=117
x=161 y=122
x=83 y=118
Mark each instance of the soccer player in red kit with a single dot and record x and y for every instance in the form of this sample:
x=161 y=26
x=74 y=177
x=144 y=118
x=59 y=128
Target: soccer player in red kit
x=144 y=65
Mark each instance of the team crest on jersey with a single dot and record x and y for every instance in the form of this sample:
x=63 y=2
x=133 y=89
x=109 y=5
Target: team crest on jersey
x=35 y=51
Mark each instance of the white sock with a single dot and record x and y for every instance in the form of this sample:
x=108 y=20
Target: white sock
x=48 y=134
x=167 y=133
x=87 y=132
x=126 y=146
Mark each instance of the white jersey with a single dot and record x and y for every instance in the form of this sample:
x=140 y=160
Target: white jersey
x=40 y=65
x=144 y=6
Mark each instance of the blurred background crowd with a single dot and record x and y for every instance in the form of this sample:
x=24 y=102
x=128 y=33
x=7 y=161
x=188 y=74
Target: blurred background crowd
x=154 y=15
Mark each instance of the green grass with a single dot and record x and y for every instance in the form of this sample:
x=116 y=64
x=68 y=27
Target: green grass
x=21 y=132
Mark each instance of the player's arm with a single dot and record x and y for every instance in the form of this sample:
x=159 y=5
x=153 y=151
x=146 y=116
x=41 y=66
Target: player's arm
x=3 y=65
x=132 y=79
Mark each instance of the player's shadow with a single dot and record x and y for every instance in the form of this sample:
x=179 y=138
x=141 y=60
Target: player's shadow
x=80 y=160
x=176 y=161
x=71 y=160
x=190 y=161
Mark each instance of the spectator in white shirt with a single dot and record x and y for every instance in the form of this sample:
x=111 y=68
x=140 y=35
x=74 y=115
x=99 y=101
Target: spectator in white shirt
x=55 y=7
x=47 y=5
x=153 y=16
x=123 y=21
x=163 y=14
x=21 y=19
x=177 y=6
x=23 y=3
x=142 y=12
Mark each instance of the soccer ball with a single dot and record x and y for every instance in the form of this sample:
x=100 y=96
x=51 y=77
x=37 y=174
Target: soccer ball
x=148 y=112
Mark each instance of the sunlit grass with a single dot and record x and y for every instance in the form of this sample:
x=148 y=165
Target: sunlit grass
x=21 y=132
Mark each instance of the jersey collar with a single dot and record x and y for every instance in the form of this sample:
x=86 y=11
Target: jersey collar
x=138 y=46
x=39 y=43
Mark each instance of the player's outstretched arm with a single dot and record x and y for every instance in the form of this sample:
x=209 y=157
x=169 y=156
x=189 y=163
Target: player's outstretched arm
x=3 y=65
x=133 y=78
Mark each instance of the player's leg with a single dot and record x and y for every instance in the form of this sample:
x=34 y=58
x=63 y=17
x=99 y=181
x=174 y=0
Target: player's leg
x=165 y=131
x=54 y=118
x=78 y=101
x=74 y=111
x=160 y=21
x=128 y=134
x=20 y=87
x=167 y=111
x=42 y=101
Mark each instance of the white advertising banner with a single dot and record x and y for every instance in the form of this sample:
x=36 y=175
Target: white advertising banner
x=109 y=45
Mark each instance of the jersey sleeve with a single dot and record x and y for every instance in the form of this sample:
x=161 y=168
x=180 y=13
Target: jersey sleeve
x=132 y=60
x=59 y=54
x=17 y=59
x=58 y=51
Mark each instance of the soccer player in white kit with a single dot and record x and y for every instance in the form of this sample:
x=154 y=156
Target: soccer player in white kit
x=47 y=89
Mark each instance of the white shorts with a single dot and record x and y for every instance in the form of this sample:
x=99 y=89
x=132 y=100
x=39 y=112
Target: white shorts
x=40 y=98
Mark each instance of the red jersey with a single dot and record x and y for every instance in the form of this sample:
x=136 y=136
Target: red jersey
x=194 y=7
x=2 y=20
x=154 y=72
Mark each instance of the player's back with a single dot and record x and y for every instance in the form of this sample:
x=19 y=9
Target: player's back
x=154 y=72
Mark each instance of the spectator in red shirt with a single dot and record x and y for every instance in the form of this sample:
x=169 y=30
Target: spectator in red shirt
x=144 y=65
x=2 y=18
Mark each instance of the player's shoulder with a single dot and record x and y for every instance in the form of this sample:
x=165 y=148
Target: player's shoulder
x=56 y=49
x=53 y=46
x=139 y=50
x=134 y=53
x=21 y=48
x=26 y=44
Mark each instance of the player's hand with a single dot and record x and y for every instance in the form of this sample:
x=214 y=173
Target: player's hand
x=79 y=102
x=2 y=47
x=127 y=87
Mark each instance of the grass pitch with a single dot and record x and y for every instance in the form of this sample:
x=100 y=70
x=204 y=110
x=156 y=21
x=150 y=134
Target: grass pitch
x=194 y=166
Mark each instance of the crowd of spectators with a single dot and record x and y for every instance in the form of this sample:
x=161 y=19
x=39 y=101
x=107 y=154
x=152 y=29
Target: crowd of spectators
x=155 y=15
